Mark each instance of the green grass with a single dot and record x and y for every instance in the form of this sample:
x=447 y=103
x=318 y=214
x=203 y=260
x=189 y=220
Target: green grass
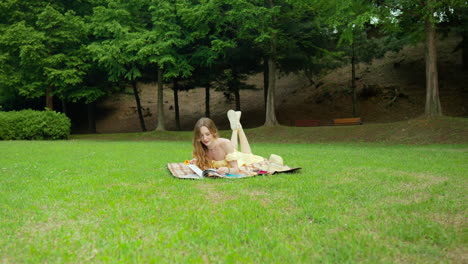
x=442 y=130
x=83 y=201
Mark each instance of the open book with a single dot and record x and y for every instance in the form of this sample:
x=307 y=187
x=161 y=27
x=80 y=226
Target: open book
x=204 y=173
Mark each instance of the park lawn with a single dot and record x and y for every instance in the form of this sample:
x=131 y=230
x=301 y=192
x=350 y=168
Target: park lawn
x=84 y=201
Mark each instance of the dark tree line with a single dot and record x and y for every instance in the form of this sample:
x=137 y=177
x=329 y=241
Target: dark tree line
x=83 y=50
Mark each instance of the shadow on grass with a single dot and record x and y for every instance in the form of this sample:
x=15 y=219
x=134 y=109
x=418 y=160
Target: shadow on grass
x=442 y=130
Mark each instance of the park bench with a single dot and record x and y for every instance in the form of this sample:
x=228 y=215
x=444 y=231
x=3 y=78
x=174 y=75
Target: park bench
x=347 y=121
x=307 y=123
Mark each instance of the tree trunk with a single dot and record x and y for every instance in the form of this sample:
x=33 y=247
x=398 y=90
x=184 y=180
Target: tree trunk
x=270 y=116
x=234 y=87
x=464 y=46
x=49 y=98
x=64 y=107
x=175 y=89
x=160 y=125
x=91 y=118
x=137 y=99
x=433 y=107
x=265 y=80
x=237 y=96
x=270 y=119
x=207 y=100
x=353 y=80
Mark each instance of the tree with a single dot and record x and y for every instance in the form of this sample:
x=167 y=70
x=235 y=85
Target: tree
x=419 y=19
x=433 y=107
x=164 y=44
x=274 y=26
x=237 y=23
x=220 y=55
x=270 y=118
x=41 y=54
x=120 y=29
x=221 y=30
x=43 y=47
x=354 y=40
x=457 y=21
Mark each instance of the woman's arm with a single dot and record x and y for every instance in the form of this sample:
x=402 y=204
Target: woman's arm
x=229 y=148
x=234 y=169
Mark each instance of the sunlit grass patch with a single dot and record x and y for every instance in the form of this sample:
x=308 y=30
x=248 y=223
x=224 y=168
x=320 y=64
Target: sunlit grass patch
x=106 y=202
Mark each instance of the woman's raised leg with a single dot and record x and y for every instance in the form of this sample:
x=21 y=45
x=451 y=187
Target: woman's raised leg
x=233 y=121
x=244 y=143
x=238 y=133
x=234 y=139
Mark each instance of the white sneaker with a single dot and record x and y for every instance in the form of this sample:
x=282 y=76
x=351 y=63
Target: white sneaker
x=233 y=119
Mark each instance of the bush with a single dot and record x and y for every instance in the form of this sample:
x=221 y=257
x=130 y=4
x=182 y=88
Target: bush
x=30 y=124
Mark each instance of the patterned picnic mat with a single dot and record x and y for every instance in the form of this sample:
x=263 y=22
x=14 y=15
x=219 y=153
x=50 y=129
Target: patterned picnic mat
x=182 y=171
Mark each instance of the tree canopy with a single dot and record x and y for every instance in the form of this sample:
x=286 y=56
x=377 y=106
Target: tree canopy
x=75 y=50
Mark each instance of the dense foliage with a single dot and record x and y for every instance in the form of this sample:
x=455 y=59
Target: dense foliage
x=75 y=51
x=30 y=124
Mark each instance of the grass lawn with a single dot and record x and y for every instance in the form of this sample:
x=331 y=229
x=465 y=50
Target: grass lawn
x=84 y=201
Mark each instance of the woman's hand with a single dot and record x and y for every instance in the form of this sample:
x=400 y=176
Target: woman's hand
x=223 y=170
x=187 y=162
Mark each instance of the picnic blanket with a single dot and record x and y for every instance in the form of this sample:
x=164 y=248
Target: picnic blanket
x=182 y=171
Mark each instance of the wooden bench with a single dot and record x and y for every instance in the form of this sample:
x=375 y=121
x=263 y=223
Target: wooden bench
x=347 y=121
x=307 y=123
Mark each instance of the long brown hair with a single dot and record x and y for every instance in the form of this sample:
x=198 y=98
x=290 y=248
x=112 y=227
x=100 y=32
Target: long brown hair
x=199 y=149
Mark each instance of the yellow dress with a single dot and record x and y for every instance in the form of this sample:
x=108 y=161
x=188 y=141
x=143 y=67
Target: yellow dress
x=241 y=158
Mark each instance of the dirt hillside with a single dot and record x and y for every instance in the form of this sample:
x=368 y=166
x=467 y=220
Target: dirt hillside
x=390 y=89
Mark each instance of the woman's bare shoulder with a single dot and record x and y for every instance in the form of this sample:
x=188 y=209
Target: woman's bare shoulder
x=225 y=143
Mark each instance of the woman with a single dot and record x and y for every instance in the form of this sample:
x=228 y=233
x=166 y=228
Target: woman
x=211 y=151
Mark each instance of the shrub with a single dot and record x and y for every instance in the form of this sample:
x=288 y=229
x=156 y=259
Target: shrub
x=31 y=124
